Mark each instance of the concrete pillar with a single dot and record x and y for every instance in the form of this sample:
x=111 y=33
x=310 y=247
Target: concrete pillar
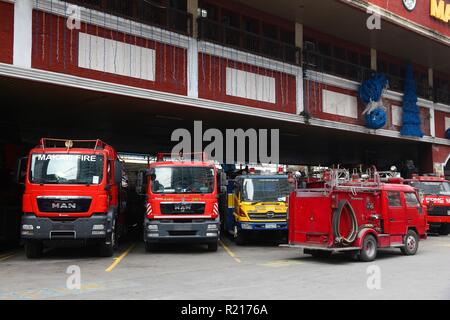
x=299 y=75
x=432 y=123
x=430 y=77
x=299 y=35
x=373 y=59
x=23 y=20
x=192 y=8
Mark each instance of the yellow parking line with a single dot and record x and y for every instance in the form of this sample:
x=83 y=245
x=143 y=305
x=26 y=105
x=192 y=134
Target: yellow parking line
x=119 y=259
x=230 y=253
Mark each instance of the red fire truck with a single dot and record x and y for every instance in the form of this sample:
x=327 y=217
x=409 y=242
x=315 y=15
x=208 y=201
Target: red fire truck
x=73 y=193
x=181 y=202
x=435 y=193
x=356 y=216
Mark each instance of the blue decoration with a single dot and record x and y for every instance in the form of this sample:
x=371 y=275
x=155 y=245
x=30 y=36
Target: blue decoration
x=371 y=90
x=370 y=93
x=411 y=115
x=447 y=133
x=376 y=119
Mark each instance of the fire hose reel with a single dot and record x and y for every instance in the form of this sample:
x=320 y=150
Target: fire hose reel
x=337 y=213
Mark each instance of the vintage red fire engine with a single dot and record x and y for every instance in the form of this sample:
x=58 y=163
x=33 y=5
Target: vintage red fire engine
x=356 y=216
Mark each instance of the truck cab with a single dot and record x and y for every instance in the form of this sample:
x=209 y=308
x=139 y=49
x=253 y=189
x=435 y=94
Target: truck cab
x=181 y=200
x=73 y=194
x=257 y=204
x=435 y=194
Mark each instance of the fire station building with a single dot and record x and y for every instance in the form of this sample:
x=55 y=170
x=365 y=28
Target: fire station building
x=130 y=72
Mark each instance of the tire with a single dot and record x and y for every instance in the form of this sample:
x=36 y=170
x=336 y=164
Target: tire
x=150 y=247
x=33 y=249
x=107 y=249
x=411 y=243
x=369 y=249
x=212 y=247
x=239 y=237
x=444 y=229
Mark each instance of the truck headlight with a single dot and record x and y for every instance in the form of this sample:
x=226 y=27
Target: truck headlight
x=98 y=227
x=246 y=226
x=211 y=234
x=152 y=227
x=212 y=227
x=27 y=227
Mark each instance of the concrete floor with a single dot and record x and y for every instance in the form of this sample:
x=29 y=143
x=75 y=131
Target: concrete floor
x=256 y=271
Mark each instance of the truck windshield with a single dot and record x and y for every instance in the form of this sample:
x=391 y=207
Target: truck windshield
x=432 y=187
x=181 y=180
x=66 y=168
x=265 y=190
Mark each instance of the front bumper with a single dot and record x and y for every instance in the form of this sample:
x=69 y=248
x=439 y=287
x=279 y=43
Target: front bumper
x=262 y=226
x=40 y=228
x=161 y=231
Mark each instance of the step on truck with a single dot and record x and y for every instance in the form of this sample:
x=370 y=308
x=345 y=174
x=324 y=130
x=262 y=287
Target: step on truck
x=257 y=205
x=181 y=201
x=73 y=195
x=435 y=194
x=356 y=216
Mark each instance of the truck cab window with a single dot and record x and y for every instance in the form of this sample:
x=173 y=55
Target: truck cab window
x=394 y=199
x=411 y=200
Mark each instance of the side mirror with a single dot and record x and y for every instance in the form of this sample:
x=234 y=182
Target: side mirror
x=108 y=187
x=223 y=189
x=21 y=170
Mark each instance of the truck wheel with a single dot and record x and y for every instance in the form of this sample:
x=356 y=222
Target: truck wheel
x=150 y=247
x=411 y=243
x=212 y=247
x=107 y=249
x=444 y=229
x=369 y=249
x=33 y=249
x=239 y=237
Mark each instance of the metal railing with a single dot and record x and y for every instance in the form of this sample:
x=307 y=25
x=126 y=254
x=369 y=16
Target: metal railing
x=312 y=60
x=144 y=11
x=442 y=96
x=229 y=36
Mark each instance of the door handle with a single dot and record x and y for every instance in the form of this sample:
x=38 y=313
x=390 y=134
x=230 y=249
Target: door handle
x=391 y=220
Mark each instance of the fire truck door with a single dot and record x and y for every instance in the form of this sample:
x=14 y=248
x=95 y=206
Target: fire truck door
x=414 y=212
x=395 y=221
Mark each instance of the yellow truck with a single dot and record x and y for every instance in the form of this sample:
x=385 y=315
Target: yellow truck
x=257 y=205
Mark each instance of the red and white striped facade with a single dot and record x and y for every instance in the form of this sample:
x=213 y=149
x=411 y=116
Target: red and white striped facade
x=113 y=54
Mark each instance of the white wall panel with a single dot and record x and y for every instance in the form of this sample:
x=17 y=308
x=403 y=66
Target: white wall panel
x=339 y=104
x=250 y=85
x=115 y=57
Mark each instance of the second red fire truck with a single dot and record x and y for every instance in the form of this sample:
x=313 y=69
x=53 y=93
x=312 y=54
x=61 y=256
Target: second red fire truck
x=181 y=202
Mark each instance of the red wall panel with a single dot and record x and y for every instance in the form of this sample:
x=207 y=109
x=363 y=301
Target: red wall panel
x=439 y=117
x=420 y=15
x=313 y=103
x=6 y=32
x=212 y=84
x=55 y=48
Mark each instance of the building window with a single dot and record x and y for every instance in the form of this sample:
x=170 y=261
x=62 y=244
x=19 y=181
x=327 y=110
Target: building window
x=337 y=59
x=246 y=32
x=169 y=14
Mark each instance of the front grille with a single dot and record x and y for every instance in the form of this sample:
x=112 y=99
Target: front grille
x=268 y=216
x=182 y=208
x=73 y=205
x=182 y=233
x=438 y=211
